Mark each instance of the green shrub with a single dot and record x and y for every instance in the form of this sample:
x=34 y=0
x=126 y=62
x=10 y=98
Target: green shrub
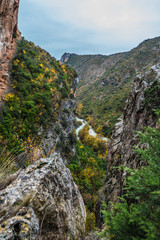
x=33 y=100
x=137 y=215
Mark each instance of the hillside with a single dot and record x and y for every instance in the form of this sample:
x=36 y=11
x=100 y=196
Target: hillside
x=37 y=190
x=105 y=81
x=39 y=89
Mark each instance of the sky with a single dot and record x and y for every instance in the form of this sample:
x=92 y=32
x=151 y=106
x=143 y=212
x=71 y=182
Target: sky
x=89 y=26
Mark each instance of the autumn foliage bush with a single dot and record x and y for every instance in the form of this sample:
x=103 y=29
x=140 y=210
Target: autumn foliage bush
x=38 y=85
x=97 y=144
x=88 y=171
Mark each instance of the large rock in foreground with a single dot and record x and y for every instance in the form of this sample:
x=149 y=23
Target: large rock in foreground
x=42 y=202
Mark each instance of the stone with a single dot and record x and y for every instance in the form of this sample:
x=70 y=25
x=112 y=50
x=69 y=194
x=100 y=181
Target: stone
x=92 y=236
x=9 y=34
x=54 y=208
x=125 y=137
x=5 y=76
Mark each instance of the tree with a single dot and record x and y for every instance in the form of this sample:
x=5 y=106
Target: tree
x=137 y=215
x=79 y=109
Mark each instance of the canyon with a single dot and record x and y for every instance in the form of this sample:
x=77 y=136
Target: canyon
x=40 y=195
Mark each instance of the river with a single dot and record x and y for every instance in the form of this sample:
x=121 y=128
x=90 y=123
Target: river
x=91 y=131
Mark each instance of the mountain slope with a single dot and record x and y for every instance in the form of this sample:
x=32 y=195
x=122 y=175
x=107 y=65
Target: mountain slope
x=40 y=87
x=105 y=81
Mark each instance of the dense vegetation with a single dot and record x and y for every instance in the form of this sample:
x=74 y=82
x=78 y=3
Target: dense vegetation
x=137 y=214
x=88 y=171
x=39 y=84
x=97 y=144
x=105 y=82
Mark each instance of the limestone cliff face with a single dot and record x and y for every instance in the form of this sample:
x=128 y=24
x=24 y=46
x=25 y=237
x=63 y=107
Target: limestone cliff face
x=8 y=35
x=136 y=116
x=42 y=203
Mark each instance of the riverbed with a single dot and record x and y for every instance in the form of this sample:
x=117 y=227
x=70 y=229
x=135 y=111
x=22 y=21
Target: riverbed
x=91 y=130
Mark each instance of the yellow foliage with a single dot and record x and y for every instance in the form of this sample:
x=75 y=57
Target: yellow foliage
x=8 y=96
x=15 y=62
x=24 y=52
x=97 y=144
x=53 y=71
x=40 y=77
x=79 y=108
x=22 y=64
x=90 y=221
x=99 y=129
x=90 y=169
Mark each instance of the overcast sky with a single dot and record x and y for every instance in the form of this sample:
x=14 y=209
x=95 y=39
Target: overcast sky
x=89 y=26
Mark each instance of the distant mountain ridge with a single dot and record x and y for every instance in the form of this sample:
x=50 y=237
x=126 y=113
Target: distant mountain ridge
x=105 y=80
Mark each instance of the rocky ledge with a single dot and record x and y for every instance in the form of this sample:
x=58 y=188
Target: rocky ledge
x=43 y=202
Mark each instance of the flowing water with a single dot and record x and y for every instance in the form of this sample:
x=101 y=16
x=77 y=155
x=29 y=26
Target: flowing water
x=91 y=131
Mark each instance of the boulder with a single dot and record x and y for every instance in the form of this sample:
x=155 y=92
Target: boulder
x=44 y=203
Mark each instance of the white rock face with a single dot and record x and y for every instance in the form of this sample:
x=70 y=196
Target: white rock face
x=55 y=209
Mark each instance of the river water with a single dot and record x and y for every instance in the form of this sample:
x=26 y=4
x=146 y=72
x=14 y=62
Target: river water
x=91 y=131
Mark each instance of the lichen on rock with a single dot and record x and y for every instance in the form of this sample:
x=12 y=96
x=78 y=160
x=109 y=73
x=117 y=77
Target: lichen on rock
x=55 y=209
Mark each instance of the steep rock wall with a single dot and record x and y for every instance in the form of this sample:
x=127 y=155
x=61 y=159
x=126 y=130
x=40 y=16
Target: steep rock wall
x=8 y=35
x=137 y=114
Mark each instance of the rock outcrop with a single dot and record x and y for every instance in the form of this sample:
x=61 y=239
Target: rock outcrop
x=65 y=57
x=58 y=133
x=92 y=236
x=42 y=203
x=138 y=113
x=58 y=137
x=8 y=35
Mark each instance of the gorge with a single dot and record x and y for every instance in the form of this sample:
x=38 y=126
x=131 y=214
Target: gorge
x=53 y=184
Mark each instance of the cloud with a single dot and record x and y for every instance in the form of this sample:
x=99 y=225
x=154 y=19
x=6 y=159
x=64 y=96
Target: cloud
x=94 y=22
x=102 y=14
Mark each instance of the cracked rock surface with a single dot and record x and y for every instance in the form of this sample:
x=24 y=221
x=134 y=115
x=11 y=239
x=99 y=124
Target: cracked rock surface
x=124 y=137
x=42 y=202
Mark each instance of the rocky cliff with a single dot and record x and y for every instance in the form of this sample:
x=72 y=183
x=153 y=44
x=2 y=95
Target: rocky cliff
x=138 y=113
x=43 y=202
x=8 y=35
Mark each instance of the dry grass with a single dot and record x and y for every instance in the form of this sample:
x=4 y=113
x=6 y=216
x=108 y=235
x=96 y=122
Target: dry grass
x=7 y=167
